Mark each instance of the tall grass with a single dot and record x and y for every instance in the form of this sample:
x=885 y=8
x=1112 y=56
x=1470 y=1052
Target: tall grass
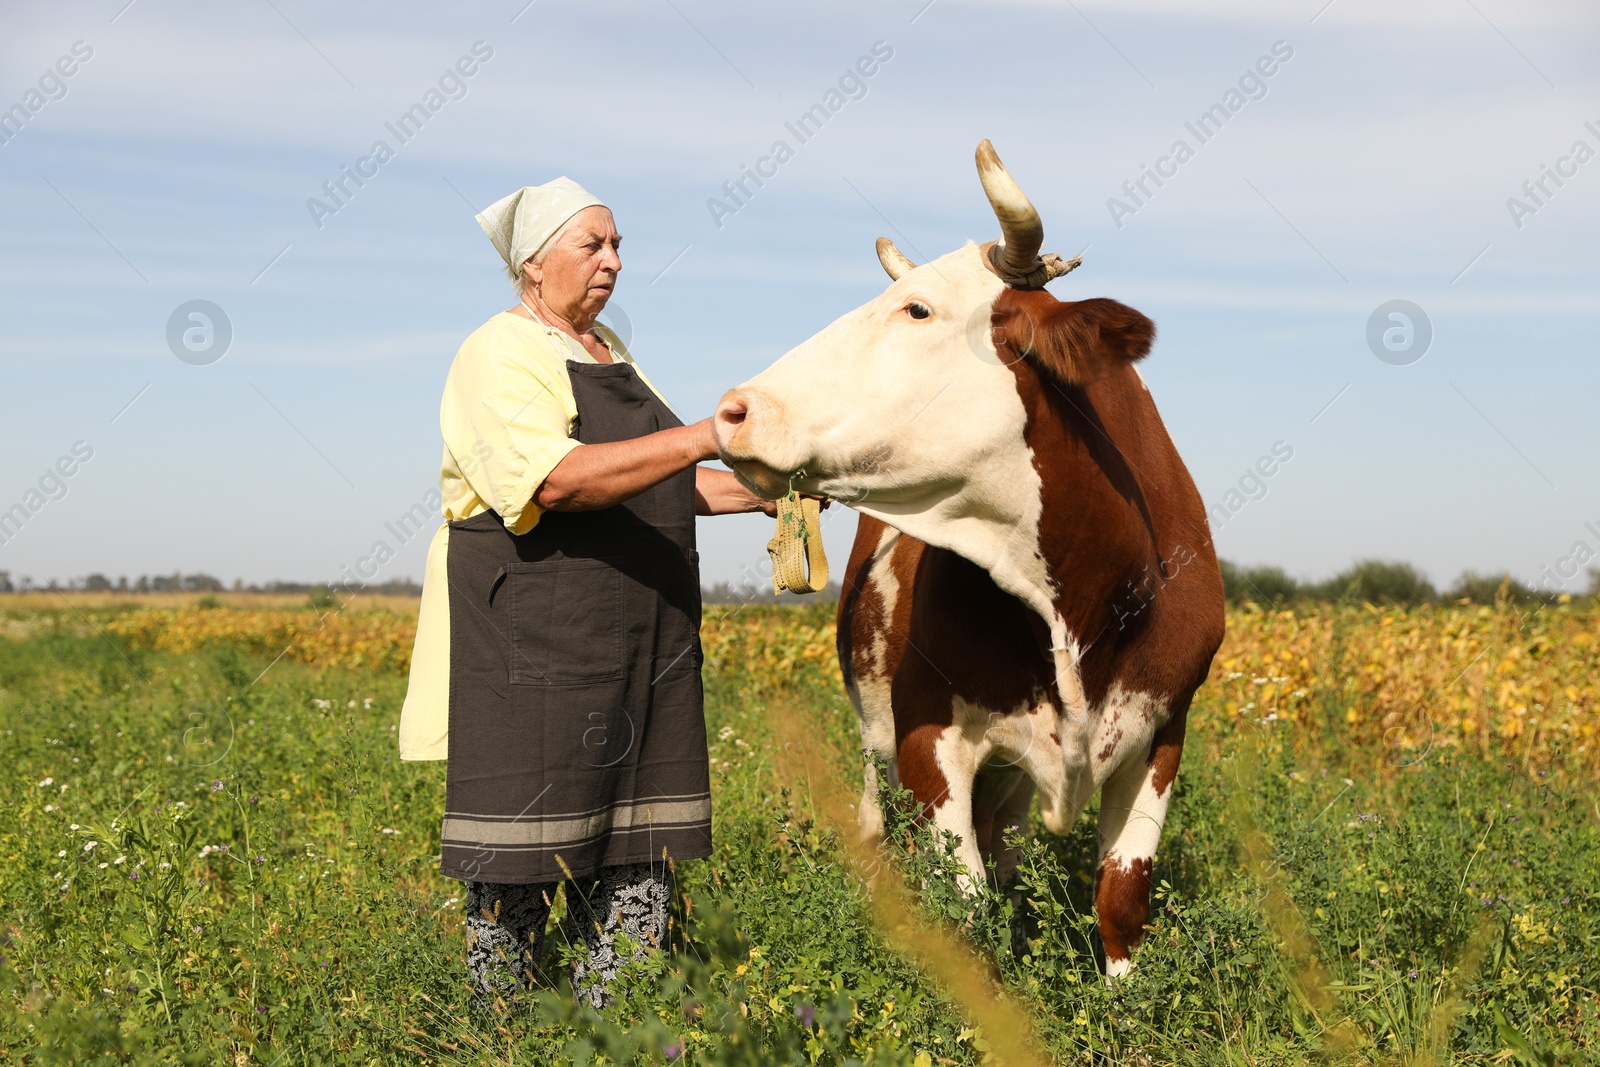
x=204 y=863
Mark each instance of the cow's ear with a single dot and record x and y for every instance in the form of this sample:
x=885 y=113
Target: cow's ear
x=1077 y=342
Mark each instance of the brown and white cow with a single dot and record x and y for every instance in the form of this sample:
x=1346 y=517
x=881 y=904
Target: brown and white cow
x=1033 y=597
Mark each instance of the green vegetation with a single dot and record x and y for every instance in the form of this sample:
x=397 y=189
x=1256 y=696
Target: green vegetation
x=1377 y=581
x=203 y=864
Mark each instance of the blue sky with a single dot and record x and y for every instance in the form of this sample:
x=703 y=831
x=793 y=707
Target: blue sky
x=177 y=161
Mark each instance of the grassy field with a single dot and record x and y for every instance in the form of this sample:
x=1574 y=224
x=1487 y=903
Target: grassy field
x=1384 y=848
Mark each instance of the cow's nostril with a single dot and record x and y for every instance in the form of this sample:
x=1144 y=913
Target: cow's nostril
x=732 y=411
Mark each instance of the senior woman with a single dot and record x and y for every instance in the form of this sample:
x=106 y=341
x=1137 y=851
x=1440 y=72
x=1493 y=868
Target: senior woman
x=557 y=661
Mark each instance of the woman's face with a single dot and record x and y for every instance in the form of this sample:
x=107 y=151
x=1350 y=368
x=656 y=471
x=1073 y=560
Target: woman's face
x=580 y=271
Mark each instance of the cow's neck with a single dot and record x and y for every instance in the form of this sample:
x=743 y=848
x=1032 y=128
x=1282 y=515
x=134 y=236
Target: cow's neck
x=1055 y=519
x=1059 y=522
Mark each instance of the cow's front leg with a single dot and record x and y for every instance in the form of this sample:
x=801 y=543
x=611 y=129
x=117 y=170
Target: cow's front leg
x=870 y=693
x=937 y=765
x=1133 y=807
x=869 y=815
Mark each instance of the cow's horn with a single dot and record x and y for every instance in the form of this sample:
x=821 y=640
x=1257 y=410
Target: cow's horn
x=1021 y=232
x=894 y=264
x=1016 y=258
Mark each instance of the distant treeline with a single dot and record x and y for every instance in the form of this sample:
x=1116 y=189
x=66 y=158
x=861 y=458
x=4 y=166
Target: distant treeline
x=1373 y=581
x=1383 y=582
x=723 y=593
x=196 y=583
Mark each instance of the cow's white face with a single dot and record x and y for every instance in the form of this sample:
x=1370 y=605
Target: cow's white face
x=894 y=404
x=905 y=410
x=914 y=421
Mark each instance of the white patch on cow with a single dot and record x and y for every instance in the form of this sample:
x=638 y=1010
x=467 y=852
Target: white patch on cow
x=1124 y=726
x=1131 y=813
x=1075 y=718
x=886 y=584
x=1118 y=968
x=959 y=756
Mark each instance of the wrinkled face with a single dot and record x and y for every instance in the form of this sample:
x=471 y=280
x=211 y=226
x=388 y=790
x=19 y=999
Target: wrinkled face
x=896 y=403
x=578 y=274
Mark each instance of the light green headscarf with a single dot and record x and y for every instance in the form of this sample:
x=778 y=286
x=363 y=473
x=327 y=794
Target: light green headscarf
x=520 y=224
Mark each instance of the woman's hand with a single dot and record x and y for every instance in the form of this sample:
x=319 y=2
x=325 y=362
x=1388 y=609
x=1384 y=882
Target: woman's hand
x=721 y=493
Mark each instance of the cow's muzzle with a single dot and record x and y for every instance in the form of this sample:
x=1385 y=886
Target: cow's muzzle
x=744 y=426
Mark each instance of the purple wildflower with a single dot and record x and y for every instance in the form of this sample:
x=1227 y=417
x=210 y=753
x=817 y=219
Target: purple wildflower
x=672 y=1051
x=806 y=1014
x=216 y=786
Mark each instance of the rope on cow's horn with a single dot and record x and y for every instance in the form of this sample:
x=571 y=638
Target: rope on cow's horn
x=798 y=563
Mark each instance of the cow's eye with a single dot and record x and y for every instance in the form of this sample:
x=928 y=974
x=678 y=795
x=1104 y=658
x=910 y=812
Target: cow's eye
x=918 y=311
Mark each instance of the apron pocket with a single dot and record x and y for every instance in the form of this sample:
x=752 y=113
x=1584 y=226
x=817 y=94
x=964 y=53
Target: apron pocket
x=566 y=622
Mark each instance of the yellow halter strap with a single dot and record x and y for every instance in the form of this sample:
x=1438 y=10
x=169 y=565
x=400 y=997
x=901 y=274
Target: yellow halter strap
x=798 y=562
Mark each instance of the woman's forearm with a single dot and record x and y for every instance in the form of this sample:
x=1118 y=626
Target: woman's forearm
x=601 y=475
x=720 y=493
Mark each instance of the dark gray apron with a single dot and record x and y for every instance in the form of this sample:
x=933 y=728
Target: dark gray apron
x=577 y=734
